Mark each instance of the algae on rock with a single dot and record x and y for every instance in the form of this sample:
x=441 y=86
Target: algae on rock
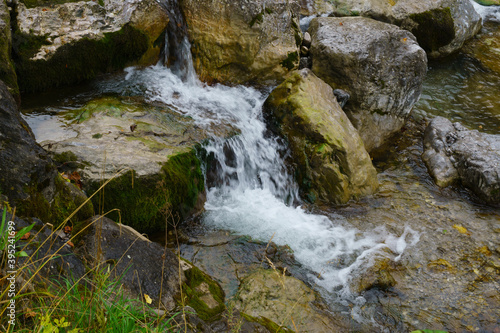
x=330 y=160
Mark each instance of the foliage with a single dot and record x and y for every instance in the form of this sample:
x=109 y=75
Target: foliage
x=7 y=229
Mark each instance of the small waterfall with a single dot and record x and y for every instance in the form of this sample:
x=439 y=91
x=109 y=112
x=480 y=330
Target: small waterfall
x=250 y=191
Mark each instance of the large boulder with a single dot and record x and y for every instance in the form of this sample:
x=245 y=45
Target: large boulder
x=441 y=26
x=453 y=153
x=65 y=43
x=7 y=72
x=330 y=160
x=153 y=145
x=271 y=295
x=380 y=65
x=243 y=41
x=28 y=176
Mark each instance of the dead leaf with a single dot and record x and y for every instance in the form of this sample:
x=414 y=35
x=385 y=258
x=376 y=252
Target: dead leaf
x=133 y=127
x=29 y=313
x=67 y=229
x=148 y=299
x=70 y=243
x=461 y=229
x=75 y=177
x=26 y=236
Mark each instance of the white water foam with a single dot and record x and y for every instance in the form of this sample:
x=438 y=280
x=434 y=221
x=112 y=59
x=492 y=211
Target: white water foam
x=254 y=198
x=488 y=13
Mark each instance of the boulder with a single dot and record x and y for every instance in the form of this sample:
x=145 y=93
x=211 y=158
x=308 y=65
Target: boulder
x=237 y=42
x=380 y=65
x=440 y=26
x=148 y=268
x=153 y=146
x=64 y=43
x=454 y=153
x=485 y=47
x=330 y=160
x=28 y=176
x=7 y=71
x=270 y=295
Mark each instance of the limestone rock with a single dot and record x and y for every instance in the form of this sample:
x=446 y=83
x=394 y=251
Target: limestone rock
x=7 y=72
x=330 y=159
x=440 y=26
x=69 y=42
x=160 y=164
x=268 y=294
x=452 y=152
x=243 y=41
x=380 y=65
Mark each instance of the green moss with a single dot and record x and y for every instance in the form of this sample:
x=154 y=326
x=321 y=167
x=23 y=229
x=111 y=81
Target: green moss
x=435 y=28
x=291 y=60
x=97 y=136
x=67 y=156
x=45 y=3
x=195 y=277
x=142 y=200
x=75 y=62
x=259 y=18
x=67 y=199
x=267 y=323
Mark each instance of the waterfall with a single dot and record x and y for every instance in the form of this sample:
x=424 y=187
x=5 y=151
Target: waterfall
x=250 y=191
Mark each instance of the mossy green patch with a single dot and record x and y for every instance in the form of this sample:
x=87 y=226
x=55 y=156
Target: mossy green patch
x=435 y=28
x=143 y=200
x=75 y=62
x=267 y=323
x=67 y=199
x=291 y=60
x=195 y=277
x=259 y=18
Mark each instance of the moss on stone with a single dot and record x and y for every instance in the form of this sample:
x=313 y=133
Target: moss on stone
x=259 y=18
x=267 y=323
x=291 y=60
x=142 y=200
x=75 y=62
x=7 y=71
x=195 y=277
x=435 y=28
x=67 y=198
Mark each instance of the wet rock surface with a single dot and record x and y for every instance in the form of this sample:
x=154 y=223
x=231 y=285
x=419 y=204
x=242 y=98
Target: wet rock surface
x=453 y=152
x=379 y=65
x=485 y=47
x=441 y=27
x=327 y=152
x=239 y=42
x=287 y=301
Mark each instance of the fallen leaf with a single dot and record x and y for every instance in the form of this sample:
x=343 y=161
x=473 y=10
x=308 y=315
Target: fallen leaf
x=481 y=126
x=67 y=229
x=133 y=127
x=70 y=243
x=148 y=299
x=461 y=229
x=26 y=236
x=75 y=177
x=341 y=23
x=29 y=313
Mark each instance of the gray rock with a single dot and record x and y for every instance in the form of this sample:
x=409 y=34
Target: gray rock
x=305 y=62
x=440 y=26
x=50 y=40
x=306 y=39
x=452 y=153
x=380 y=65
x=342 y=96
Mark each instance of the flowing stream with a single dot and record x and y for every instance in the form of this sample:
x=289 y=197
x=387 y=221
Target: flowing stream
x=254 y=194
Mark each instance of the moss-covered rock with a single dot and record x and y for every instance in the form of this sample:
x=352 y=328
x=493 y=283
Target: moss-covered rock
x=330 y=159
x=63 y=42
x=202 y=293
x=243 y=42
x=7 y=72
x=153 y=146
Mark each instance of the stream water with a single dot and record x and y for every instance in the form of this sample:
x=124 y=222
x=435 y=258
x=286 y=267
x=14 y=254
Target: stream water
x=409 y=221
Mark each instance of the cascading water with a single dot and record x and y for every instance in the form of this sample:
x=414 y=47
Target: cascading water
x=255 y=195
